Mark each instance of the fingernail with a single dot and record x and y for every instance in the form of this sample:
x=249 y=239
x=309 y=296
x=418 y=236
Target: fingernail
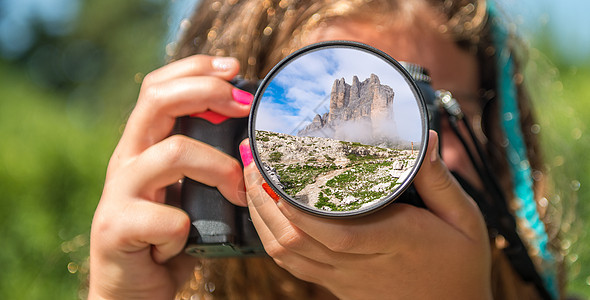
x=246 y=154
x=242 y=97
x=271 y=192
x=223 y=63
x=434 y=153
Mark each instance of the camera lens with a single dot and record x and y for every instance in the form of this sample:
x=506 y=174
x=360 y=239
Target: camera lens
x=338 y=129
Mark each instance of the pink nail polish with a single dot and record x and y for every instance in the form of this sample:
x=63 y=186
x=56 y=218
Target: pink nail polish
x=242 y=97
x=246 y=155
x=210 y=116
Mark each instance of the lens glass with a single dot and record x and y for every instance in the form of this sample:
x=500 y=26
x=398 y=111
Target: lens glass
x=338 y=129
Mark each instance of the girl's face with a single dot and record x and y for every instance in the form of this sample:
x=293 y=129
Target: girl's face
x=450 y=67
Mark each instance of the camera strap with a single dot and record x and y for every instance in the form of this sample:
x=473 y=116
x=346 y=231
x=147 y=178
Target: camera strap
x=515 y=251
x=492 y=204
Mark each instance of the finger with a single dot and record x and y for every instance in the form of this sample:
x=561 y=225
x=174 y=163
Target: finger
x=443 y=195
x=156 y=111
x=190 y=95
x=304 y=268
x=267 y=216
x=327 y=240
x=363 y=235
x=179 y=156
x=197 y=65
x=163 y=227
x=282 y=235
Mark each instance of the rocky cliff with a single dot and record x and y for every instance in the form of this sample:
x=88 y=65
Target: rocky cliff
x=361 y=111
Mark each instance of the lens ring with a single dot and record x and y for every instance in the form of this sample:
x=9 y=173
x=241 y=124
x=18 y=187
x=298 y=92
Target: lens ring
x=395 y=66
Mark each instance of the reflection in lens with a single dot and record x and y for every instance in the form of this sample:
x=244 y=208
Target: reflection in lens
x=338 y=129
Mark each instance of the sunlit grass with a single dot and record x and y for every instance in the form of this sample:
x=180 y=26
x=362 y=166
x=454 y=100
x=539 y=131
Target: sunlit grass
x=52 y=164
x=573 y=137
x=561 y=100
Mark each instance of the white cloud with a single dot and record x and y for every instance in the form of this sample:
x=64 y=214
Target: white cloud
x=306 y=83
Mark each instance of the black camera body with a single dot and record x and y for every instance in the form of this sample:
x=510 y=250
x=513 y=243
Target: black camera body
x=219 y=228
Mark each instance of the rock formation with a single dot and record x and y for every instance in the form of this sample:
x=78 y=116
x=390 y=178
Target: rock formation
x=361 y=111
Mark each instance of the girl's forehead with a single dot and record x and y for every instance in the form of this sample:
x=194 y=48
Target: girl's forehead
x=450 y=67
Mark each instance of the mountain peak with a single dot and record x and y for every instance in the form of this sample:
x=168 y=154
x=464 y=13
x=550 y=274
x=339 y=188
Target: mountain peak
x=357 y=111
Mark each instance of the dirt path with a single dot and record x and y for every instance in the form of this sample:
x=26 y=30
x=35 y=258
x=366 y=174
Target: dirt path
x=312 y=191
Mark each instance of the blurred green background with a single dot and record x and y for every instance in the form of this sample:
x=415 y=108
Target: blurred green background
x=70 y=71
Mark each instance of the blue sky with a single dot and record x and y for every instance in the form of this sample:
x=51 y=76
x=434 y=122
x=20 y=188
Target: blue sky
x=566 y=21
x=16 y=18
x=301 y=90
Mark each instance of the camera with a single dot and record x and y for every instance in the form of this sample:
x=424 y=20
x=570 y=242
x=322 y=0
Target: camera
x=221 y=229
x=338 y=152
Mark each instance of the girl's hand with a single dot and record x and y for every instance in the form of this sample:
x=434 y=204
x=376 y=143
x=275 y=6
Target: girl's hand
x=136 y=238
x=399 y=252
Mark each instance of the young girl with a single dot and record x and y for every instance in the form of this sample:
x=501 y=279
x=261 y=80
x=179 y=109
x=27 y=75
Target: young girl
x=400 y=252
